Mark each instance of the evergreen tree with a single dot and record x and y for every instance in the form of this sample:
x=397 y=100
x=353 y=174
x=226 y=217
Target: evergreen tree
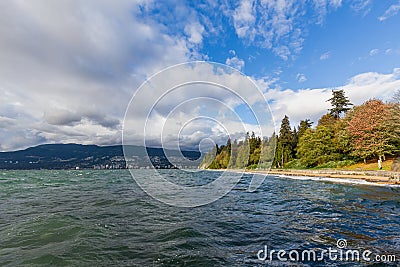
x=303 y=126
x=285 y=141
x=229 y=146
x=295 y=141
x=340 y=103
x=242 y=158
x=255 y=149
x=268 y=151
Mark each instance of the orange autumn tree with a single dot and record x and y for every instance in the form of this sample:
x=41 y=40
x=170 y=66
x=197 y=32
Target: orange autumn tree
x=372 y=131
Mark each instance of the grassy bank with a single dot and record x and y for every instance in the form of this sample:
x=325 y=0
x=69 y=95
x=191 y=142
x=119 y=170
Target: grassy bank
x=371 y=165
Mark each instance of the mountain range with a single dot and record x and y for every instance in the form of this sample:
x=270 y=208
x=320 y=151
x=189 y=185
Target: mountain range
x=77 y=156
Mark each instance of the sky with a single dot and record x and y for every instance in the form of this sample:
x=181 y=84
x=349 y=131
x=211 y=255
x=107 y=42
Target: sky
x=68 y=69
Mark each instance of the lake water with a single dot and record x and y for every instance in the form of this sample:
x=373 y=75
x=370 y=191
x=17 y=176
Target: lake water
x=102 y=218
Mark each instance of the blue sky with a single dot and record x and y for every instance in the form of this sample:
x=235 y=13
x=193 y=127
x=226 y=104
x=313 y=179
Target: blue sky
x=69 y=68
x=344 y=43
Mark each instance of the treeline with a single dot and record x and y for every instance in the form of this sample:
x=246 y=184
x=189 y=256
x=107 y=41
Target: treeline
x=250 y=152
x=346 y=134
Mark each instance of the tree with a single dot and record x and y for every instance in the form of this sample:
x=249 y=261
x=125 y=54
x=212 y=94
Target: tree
x=285 y=140
x=254 y=149
x=327 y=120
x=372 y=129
x=242 y=158
x=209 y=158
x=396 y=97
x=303 y=126
x=316 y=147
x=268 y=151
x=393 y=124
x=295 y=141
x=340 y=103
x=342 y=138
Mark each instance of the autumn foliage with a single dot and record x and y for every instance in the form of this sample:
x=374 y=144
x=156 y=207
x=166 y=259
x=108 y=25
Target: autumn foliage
x=367 y=131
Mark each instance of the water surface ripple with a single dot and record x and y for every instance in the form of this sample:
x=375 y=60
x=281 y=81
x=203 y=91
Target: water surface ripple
x=102 y=218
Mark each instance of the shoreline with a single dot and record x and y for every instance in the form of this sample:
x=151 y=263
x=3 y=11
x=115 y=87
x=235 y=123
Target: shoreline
x=374 y=177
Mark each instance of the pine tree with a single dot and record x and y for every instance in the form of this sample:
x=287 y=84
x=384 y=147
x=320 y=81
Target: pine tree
x=303 y=126
x=285 y=141
x=340 y=103
x=229 y=146
x=295 y=141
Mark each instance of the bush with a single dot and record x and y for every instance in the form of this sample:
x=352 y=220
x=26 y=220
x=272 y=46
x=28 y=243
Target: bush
x=295 y=164
x=335 y=164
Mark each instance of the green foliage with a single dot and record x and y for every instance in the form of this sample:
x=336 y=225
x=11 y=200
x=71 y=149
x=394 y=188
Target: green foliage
x=340 y=103
x=303 y=126
x=335 y=164
x=285 y=133
x=316 y=147
x=295 y=164
x=327 y=120
x=250 y=152
x=369 y=130
x=284 y=149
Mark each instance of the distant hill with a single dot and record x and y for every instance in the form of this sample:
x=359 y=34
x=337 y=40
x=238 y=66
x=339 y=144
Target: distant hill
x=70 y=156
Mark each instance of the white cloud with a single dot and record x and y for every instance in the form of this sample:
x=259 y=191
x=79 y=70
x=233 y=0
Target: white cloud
x=301 y=77
x=244 y=18
x=185 y=109
x=278 y=25
x=195 y=32
x=322 y=7
x=235 y=62
x=68 y=68
x=390 y=12
x=311 y=103
x=372 y=85
x=373 y=52
x=325 y=56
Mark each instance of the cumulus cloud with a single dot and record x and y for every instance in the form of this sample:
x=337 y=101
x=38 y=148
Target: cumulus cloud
x=194 y=31
x=390 y=12
x=224 y=102
x=244 y=18
x=311 y=103
x=235 y=62
x=69 y=68
x=74 y=70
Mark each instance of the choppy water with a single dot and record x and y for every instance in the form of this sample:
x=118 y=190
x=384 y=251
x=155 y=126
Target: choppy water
x=102 y=218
